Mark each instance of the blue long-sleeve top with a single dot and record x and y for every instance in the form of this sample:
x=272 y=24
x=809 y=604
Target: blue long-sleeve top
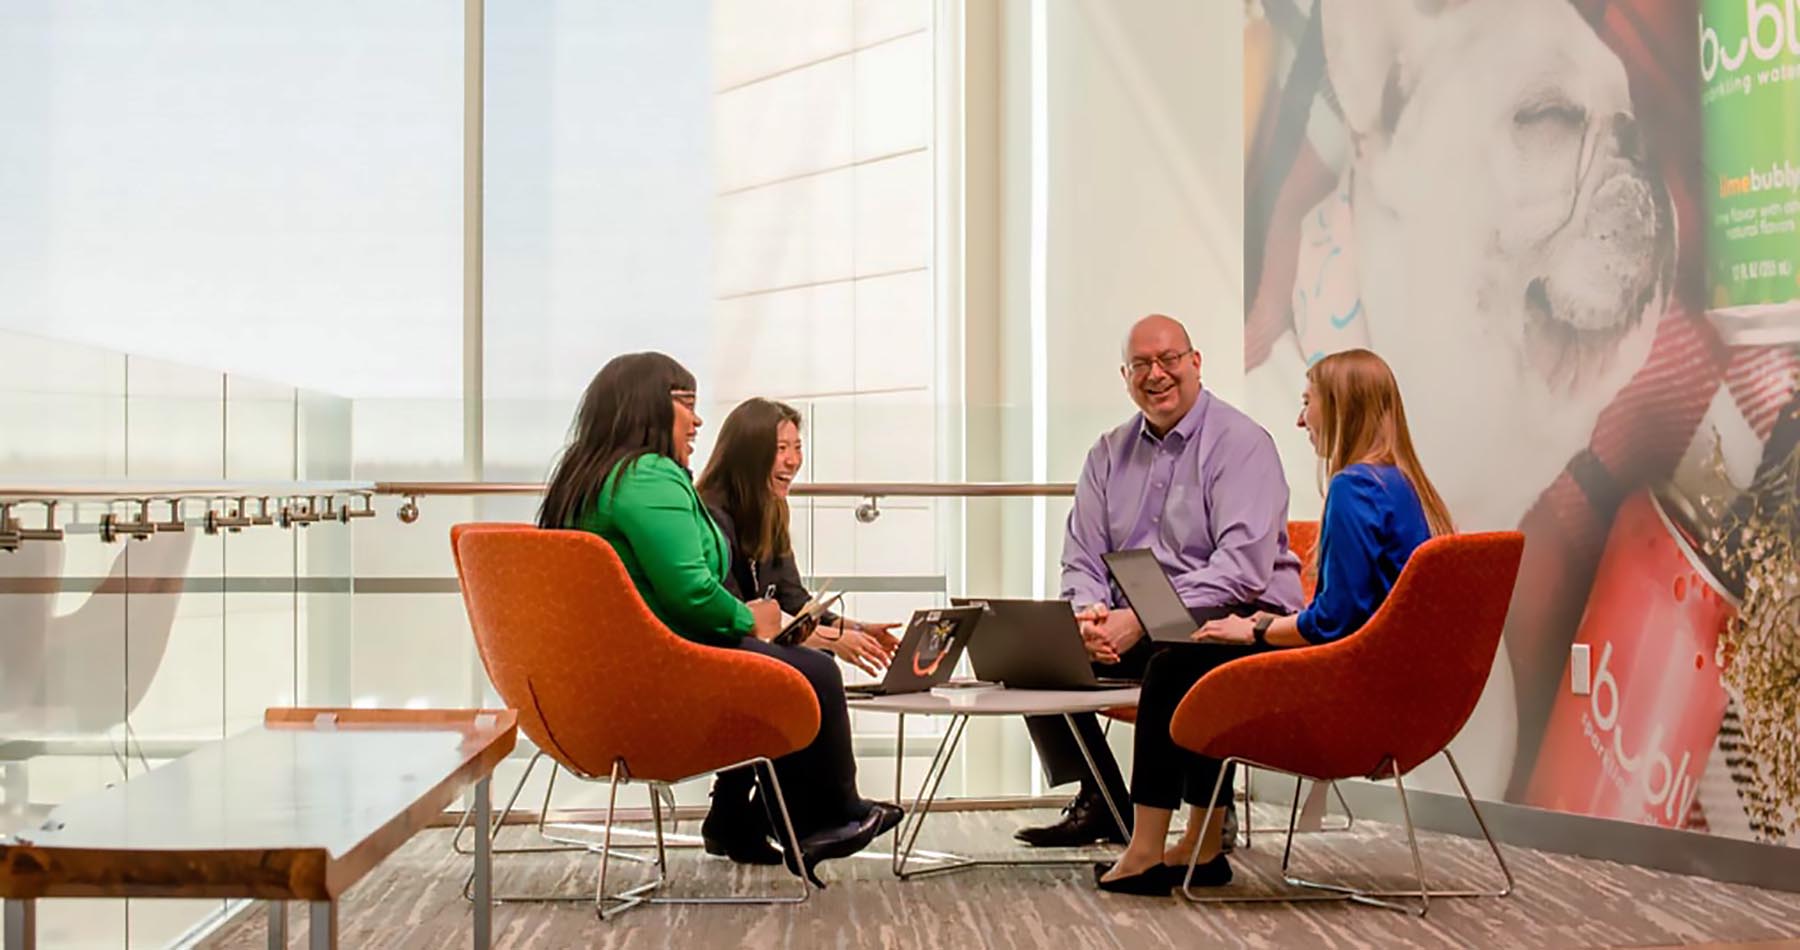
x=1373 y=521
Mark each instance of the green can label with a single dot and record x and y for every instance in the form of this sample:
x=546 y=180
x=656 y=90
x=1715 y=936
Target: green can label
x=1750 y=102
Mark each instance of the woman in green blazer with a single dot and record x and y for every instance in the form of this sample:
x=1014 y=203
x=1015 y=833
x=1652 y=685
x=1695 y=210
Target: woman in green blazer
x=624 y=476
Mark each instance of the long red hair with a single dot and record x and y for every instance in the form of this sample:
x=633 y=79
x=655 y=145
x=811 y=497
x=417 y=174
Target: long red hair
x=1361 y=419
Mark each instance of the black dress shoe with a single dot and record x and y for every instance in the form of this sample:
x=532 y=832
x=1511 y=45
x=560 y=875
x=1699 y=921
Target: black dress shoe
x=1153 y=881
x=1085 y=821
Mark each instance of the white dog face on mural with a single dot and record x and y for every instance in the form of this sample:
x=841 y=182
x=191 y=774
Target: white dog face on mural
x=1513 y=246
x=1509 y=248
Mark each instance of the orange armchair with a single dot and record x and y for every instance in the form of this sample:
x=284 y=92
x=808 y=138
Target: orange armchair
x=605 y=689
x=1376 y=704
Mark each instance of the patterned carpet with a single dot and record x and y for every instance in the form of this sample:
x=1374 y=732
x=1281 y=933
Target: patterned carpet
x=414 y=901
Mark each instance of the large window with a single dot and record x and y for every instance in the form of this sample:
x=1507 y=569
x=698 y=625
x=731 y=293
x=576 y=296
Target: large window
x=218 y=215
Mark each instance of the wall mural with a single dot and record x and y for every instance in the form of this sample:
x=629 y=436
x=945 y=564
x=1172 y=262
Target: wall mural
x=1573 y=228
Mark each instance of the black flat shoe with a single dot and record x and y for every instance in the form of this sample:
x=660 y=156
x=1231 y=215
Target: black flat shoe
x=1150 y=882
x=1214 y=873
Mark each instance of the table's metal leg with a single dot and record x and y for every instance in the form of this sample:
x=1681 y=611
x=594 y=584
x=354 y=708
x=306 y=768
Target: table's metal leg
x=899 y=755
x=484 y=867
x=1094 y=770
x=277 y=925
x=908 y=833
x=21 y=925
x=322 y=931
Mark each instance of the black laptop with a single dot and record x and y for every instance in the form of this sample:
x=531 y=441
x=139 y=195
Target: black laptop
x=1147 y=589
x=928 y=653
x=1033 y=644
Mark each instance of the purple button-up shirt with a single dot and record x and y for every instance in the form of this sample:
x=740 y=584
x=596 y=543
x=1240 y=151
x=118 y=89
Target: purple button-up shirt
x=1208 y=498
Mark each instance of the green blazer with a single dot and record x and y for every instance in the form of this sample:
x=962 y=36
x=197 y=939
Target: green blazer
x=675 y=554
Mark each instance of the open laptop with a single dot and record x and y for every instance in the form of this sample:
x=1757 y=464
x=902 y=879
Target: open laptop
x=1033 y=644
x=1147 y=589
x=928 y=653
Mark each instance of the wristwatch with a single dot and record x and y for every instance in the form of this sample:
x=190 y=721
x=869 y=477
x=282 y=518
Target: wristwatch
x=1259 y=631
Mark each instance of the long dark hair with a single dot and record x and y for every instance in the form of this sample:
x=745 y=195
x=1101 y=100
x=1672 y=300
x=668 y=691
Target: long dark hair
x=736 y=477
x=626 y=413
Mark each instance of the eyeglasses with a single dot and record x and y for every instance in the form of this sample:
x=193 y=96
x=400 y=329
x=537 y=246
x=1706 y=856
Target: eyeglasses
x=686 y=397
x=1170 y=362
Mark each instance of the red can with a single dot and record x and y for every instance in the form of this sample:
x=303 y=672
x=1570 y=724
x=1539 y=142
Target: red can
x=1634 y=748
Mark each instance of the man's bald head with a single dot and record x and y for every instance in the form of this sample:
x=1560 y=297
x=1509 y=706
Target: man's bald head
x=1162 y=370
x=1156 y=333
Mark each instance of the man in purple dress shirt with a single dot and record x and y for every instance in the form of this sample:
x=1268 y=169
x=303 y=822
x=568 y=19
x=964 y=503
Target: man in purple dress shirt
x=1200 y=484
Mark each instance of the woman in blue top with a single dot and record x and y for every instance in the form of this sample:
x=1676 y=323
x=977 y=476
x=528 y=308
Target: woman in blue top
x=1379 y=506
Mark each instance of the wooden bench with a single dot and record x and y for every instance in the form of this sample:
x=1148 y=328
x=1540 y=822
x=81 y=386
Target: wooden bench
x=297 y=809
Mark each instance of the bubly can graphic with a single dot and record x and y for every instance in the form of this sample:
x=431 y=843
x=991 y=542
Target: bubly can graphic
x=1634 y=748
x=1750 y=98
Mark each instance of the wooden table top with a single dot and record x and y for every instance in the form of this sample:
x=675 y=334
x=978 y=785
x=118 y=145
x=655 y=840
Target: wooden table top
x=298 y=808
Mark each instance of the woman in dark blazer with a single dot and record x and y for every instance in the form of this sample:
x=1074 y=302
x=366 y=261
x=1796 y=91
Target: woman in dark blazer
x=624 y=476
x=745 y=487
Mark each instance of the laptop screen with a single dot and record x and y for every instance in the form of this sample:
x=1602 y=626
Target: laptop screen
x=1150 y=594
x=929 y=651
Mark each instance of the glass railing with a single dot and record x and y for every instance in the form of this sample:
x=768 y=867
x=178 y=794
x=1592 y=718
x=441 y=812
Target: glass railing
x=221 y=598
x=126 y=642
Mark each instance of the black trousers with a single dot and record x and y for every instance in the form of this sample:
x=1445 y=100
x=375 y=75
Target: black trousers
x=1164 y=774
x=819 y=781
x=1056 y=745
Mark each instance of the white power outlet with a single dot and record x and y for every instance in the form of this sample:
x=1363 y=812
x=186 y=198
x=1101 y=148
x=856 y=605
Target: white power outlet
x=1581 y=671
